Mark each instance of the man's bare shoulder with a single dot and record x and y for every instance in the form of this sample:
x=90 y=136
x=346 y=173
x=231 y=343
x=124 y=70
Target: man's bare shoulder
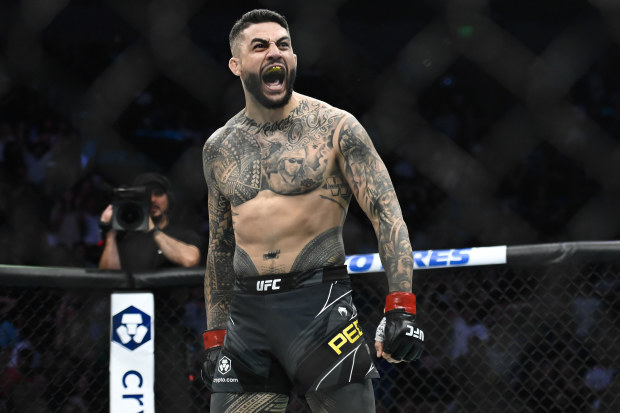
x=218 y=139
x=214 y=138
x=223 y=131
x=313 y=105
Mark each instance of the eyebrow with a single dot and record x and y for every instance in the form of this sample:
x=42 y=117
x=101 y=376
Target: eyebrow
x=259 y=40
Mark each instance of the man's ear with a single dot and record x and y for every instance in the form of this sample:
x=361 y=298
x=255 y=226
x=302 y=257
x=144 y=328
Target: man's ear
x=235 y=66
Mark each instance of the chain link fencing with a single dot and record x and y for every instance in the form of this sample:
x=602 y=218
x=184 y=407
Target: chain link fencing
x=498 y=120
x=522 y=339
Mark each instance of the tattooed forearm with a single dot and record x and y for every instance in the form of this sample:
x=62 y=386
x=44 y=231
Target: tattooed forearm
x=220 y=276
x=375 y=193
x=396 y=254
x=219 y=281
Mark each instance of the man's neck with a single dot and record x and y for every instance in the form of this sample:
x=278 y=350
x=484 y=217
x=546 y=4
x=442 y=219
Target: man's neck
x=261 y=114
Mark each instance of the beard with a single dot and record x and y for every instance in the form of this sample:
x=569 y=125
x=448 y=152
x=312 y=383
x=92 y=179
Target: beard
x=158 y=219
x=253 y=84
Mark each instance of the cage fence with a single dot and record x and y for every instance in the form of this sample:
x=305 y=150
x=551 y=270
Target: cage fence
x=523 y=339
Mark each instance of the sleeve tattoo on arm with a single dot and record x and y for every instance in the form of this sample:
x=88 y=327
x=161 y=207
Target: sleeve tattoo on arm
x=375 y=193
x=219 y=275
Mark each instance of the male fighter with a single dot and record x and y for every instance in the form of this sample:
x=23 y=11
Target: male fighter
x=280 y=176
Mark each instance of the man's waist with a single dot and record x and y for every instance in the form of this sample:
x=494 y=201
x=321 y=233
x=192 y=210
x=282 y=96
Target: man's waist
x=276 y=283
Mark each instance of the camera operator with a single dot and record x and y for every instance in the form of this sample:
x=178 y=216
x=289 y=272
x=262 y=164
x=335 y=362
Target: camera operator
x=164 y=244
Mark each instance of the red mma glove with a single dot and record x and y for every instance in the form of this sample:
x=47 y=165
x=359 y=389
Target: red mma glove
x=213 y=341
x=397 y=330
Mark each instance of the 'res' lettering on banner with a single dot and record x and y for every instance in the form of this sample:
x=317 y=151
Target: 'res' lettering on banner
x=132 y=345
x=429 y=259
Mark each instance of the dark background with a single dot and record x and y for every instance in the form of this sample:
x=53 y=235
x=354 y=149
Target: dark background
x=497 y=119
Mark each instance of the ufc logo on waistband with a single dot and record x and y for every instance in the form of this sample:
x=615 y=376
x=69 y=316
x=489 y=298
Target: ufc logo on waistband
x=417 y=333
x=265 y=285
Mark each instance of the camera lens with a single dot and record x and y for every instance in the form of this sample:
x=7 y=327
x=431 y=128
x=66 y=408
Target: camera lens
x=130 y=215
x=131 y=209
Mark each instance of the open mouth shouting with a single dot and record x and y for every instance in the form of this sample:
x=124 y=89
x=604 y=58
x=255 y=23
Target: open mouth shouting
x=273 y=87
x=274 y=77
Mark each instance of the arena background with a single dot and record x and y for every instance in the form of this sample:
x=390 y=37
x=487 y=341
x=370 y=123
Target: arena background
x=497 y=119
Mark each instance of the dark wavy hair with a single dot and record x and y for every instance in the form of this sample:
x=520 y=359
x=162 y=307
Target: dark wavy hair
x=253 y=17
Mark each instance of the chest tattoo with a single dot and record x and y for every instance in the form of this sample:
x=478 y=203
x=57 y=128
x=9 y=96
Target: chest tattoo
x=236 y=165
x=288 y=157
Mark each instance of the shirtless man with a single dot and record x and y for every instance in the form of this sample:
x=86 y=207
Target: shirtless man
x=280 y=176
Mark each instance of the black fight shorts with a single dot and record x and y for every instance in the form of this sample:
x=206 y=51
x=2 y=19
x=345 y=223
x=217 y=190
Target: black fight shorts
x=298 y=329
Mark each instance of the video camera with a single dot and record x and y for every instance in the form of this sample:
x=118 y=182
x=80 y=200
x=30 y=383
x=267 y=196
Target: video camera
x=131 y=208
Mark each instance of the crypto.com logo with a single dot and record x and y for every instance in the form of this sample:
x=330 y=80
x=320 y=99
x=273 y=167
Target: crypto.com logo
x=131 y=328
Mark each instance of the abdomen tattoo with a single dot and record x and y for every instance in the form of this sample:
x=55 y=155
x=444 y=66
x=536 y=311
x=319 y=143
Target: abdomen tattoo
x=326 y=249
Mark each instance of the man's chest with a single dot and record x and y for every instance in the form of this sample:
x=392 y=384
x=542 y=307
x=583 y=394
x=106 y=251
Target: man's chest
x=292 y=161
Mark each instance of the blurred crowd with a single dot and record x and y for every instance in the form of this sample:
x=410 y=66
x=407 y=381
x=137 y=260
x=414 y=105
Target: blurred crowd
x=51 y=196
x=53 y=185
